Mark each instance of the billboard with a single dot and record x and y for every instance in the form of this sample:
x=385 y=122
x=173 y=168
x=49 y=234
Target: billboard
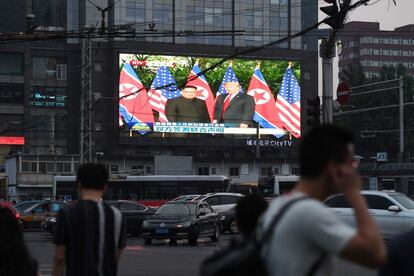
x=181 y=95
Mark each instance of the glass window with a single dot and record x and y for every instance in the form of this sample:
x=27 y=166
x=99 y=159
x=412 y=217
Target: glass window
x=176 y=209
x=203 y=170
x=128 y=207
x=42 y=167
x=378 y=202
x=59 y=167
x=39 y=68
x=228 y=199
x=234 y=171
x=213 y=171
x=339 y=201
x=50 y=167
x=12 y=64
x=114 y=168
x=206 y=209
x=67 y=167
x=25 y=167
x=33 y=167
x=61 y=71
x=212 y=201
x=266 y=171
x=403 y=200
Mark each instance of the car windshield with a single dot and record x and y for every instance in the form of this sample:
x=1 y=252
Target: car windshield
x=21 y=207
x=404 y=201
x=176 y=209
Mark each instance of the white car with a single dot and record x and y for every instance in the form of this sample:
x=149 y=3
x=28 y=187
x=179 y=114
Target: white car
x=220 y=202
x=392 y=211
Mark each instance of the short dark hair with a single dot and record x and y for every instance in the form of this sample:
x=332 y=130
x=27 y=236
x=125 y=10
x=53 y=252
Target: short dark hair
x=321 y=145
x=248 y=210
x=189 y=86
x=92 y=176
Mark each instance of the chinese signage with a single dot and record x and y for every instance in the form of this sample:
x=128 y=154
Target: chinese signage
x=48 y=97
x=269 y=143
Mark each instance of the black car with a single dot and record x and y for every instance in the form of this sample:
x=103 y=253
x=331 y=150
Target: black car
x=133 y=213
x=182 y=220
x=229 y=221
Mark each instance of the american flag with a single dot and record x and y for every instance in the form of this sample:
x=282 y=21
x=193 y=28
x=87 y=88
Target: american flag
x=288 y=103
x=229 y=76
x=158 y=94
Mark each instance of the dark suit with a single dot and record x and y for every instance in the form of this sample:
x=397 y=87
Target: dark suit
x=181 y=109
x=240 y=110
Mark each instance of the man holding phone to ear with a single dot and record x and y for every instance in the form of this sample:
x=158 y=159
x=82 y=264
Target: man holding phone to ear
x=309 y=232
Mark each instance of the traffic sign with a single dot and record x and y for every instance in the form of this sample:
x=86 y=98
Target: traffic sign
x=342 y=93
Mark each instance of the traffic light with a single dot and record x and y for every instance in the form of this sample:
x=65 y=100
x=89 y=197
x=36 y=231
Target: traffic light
x=313 y=111
x=335 y=18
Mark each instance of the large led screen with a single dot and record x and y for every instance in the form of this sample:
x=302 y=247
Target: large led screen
x=181 y=95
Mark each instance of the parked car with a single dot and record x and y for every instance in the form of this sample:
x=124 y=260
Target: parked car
x=182 y=220
x=32 y=213
x=133 y=213
x=220 y=202
x=392 y=211
x=229 y=222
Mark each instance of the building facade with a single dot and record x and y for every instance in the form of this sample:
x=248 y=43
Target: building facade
x=373 y=48
x=40 y=80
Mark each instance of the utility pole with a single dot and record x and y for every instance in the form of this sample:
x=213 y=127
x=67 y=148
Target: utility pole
x=336 y=16
x=86 y=102
x=401 y=118
x=327 y=53
x=86 y=89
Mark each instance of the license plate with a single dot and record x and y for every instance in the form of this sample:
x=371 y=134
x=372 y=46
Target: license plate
x=161 y=231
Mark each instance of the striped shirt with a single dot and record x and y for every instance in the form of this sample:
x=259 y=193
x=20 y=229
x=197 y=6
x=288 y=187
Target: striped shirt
x=92 y=232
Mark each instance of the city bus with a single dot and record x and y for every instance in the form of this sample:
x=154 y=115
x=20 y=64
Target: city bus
x=278 y=185
x=144 y=188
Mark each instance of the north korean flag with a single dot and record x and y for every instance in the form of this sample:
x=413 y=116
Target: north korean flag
x=265 y=112
x=195 y=78
x=134 y=106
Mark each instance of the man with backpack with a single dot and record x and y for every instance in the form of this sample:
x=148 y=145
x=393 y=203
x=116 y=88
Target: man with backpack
x=308 y=235
x=89 y=236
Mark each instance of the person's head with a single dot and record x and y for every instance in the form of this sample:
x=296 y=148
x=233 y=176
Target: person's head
x=232 y=87
x=248 y=210
x=189 y=92
x=323 y=150
x=92 y=176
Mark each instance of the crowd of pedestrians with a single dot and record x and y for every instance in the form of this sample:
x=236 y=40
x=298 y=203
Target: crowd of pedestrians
x=90 y=236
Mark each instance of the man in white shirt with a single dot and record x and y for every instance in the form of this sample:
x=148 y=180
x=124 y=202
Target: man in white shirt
x=309 y=235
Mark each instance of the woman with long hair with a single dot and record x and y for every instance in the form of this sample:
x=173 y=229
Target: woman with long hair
x=15 y=259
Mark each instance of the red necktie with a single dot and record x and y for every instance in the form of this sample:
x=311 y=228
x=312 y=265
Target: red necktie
x=226 y=104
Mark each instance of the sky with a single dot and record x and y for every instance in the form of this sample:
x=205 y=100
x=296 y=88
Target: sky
x=385 y=12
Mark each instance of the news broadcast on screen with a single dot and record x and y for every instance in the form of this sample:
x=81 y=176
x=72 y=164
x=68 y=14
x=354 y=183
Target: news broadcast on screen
x=180 y=96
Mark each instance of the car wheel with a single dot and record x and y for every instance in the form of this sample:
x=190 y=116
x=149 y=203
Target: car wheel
x=234 y=227
x=193 y=236
x=147 y=241
x=216 y=235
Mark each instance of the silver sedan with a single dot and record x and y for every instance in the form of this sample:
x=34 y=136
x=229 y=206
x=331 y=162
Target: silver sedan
x=392 y=211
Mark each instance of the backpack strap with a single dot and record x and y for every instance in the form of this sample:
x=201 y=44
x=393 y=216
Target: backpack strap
x=267 y=235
